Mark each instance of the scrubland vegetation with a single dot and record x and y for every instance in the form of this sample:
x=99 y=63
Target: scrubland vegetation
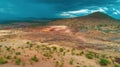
x=9 y=54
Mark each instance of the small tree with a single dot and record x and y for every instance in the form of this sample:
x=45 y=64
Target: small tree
x=116 y=65
x=104 y=62
x=61 y=50
x=18 y=53
x=71 y=61
x=2 y=60
x=18 y=61
x=34 y=58
x=89 y=56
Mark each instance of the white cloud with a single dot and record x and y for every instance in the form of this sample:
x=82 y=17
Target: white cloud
x=118 y=11
x=96 y=10
x=105 y=8
x=73 y=13
x=113 y=9
x=79 y=11
x=65 y=14
x=82 y=12
x=115 y=13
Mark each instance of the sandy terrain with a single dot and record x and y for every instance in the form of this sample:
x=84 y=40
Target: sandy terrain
x=70 y=47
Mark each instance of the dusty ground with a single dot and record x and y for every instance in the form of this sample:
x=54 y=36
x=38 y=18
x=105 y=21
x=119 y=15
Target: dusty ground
x=75 y=45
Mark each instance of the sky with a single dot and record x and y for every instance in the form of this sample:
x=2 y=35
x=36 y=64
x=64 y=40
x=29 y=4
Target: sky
x=17 y=9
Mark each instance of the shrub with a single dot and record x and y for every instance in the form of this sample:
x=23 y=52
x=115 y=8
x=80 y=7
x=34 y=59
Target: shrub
x=34 y=58
x=61 y=65
x=0 y=45
x=61 y=49
x=117 y=65
x=104 y=62
x=17 y=61
x=30 y=44
x=73 y=49
x=7 y=48
x=31 y=62
x=71 y=61
x=54 y=48
x=2 y=61
x=8 y=57
x=56 y=64
x=81 y=52
x=18 y=53
x=64 y=53
x=84 y=66
x=15 y=57
x=27 y=42
x=48 y=55
x=89 y=56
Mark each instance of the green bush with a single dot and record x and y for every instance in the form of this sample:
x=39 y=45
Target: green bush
x=8 y=57
x=0 y=45
x=54 y=48
x=7 y=48
x=34 y=58
x=71 y=61
x=104 y=62
x=89 y=56
x=17 y=61
x=117 y=65
x=61 y=65
x=30 y=44
x=81 y=53
x=56 y=64
x=61 y=50
x=84 y=66
x=48 y=55
x=2 y=61
x=18 y=53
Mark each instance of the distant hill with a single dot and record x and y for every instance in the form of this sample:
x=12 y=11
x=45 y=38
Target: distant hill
x=97 y=18
x=99 y=15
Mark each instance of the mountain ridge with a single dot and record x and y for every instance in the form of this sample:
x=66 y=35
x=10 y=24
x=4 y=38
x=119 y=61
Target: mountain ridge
x=99 y=15
x=93 y=19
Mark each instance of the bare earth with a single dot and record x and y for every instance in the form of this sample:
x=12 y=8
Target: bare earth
x=57 y=46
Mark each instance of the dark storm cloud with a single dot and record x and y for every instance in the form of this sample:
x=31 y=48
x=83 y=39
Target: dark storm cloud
x=74 y=4
x=74 y=1
x=57 y=8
